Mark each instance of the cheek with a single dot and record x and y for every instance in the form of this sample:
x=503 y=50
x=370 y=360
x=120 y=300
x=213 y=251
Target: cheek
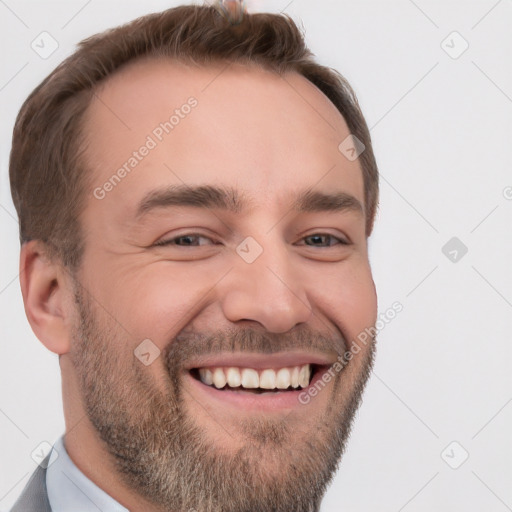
x=346 y=296
x=157 y=300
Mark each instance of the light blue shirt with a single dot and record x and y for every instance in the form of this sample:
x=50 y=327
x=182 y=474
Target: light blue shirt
x=69 y=490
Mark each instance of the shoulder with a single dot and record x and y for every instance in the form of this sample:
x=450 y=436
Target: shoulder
x=34 y=497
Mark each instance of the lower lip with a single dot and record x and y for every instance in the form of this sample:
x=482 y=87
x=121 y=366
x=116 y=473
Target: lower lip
x=272 y=401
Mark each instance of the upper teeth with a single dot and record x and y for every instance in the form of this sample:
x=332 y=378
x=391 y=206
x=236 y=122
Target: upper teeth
x=249 y=378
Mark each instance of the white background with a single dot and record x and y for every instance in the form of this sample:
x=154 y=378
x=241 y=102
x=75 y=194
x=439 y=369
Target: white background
x=442 y=133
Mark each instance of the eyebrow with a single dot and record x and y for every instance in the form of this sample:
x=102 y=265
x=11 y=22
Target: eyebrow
x=231 y=200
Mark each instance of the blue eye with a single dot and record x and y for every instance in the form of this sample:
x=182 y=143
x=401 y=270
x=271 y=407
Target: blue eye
x=322 y=240
x=319 y=236
x=190 y=240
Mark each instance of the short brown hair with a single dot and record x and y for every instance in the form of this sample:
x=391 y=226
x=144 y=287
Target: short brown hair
x=47 y=173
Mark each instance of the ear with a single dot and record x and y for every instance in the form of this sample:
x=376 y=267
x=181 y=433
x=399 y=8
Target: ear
x=47 y=293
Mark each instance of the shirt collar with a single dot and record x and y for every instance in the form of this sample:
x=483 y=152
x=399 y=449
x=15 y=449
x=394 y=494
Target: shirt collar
x=70 y=490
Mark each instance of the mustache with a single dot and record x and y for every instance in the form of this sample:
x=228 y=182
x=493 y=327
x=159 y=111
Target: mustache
x=188 y=345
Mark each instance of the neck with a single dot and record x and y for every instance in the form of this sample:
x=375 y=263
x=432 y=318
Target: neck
x=88 y=452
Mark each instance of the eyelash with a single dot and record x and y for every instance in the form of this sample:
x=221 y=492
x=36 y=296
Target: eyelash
x=171 y=241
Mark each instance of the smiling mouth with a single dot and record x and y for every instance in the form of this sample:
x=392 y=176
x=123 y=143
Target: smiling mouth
x=257 y=381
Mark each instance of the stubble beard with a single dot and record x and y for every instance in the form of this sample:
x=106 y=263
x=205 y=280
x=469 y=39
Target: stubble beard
x=164 y=456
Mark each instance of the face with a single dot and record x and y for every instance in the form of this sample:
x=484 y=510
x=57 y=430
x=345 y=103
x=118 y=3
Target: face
x=232 y=248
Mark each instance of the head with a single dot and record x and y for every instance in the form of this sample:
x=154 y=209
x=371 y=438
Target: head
x=185 y=208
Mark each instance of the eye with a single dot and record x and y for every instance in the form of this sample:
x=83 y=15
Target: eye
x=320 y=239
x=187 y=240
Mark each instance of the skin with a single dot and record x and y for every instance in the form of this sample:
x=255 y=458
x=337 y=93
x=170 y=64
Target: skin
x=270 y=137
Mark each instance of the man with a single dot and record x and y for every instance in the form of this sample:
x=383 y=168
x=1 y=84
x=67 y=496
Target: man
x=195 y=196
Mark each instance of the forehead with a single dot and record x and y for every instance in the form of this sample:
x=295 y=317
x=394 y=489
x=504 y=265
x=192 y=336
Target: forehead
x=222 y=124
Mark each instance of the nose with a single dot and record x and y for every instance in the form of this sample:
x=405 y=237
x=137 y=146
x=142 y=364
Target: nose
x=269 y=290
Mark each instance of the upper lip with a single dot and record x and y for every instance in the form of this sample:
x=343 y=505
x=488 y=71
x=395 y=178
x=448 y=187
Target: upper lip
x=261 y=361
